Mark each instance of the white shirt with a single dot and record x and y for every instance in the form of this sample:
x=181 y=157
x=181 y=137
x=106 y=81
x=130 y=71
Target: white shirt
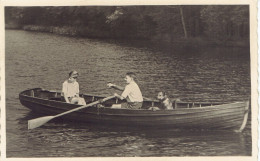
x=70 y=89
x=132 y=91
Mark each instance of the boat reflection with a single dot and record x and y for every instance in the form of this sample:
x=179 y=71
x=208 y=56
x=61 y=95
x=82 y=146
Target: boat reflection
x=133 y=141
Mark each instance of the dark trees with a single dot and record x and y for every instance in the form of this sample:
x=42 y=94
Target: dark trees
x=162 y=23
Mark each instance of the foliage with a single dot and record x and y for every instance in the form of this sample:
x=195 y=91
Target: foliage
x=160 y=23
x=226 y=21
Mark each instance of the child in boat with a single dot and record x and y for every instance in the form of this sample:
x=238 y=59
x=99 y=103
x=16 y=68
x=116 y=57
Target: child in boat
x=131 y=93
x=70 y=89
x=165 y=102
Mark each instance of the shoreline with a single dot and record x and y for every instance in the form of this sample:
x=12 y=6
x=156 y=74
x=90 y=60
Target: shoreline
x=72 y=31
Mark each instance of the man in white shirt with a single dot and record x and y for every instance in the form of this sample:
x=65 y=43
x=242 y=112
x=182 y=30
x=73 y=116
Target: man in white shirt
x=131 y=92
x=70 y=89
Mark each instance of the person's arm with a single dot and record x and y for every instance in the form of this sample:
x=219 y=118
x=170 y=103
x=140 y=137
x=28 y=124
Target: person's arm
x=124 y=94
x=66 y=98
x=64 y=91
x=116 y=86
x=77 y=91
x=118 y=96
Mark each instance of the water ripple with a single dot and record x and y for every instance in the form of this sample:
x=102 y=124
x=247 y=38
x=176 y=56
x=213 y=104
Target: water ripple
x=44 y=60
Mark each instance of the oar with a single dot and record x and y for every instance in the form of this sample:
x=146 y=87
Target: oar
x=34 y=123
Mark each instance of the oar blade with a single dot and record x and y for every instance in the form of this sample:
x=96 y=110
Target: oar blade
x=34 y=123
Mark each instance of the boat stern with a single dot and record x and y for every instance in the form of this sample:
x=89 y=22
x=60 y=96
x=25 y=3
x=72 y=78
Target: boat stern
x=246 y=111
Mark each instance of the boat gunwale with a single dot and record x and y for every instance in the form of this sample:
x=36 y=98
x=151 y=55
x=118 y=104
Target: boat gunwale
x=191 y=108
x=53 y=106
x=135 y=114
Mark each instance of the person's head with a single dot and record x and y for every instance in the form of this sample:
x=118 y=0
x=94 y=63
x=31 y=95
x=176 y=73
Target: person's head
x=130 y=76
x=73 y=75
x=162 y=95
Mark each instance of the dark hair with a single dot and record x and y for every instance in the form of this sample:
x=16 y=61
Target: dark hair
x=132 y=75
x=73 y=72
x=163 y=93
x=70 y=73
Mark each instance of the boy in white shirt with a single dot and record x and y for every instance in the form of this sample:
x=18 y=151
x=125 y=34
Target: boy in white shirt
x=131 y=92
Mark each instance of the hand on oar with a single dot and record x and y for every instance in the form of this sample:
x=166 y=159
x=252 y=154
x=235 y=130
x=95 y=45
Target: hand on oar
x=110 y=85
x=34 y=123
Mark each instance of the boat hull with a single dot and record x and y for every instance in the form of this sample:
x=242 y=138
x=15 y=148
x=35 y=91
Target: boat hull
x=224 y=116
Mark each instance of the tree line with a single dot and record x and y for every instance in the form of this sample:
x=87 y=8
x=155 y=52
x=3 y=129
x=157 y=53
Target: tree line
x=220 y=22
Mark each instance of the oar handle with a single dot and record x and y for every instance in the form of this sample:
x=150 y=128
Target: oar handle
x=85 y=106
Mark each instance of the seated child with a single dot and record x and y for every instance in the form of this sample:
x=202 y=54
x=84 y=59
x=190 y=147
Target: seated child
x=165 y=102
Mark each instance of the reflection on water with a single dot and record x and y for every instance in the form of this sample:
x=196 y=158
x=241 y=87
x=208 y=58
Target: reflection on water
x=58 y=137
x=44 y=60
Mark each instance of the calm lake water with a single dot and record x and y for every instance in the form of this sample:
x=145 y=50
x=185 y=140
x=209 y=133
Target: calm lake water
x=199 y=74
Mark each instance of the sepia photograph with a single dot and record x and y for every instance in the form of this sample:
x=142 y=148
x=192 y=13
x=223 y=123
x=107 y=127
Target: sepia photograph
x=143 y=80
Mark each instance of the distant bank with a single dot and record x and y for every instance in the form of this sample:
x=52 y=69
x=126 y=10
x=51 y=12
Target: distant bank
x=87 y=33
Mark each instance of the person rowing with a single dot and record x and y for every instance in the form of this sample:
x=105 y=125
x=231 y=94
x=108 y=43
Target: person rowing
x=131 y=92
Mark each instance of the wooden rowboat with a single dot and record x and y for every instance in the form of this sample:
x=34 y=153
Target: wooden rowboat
x=185 y=115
